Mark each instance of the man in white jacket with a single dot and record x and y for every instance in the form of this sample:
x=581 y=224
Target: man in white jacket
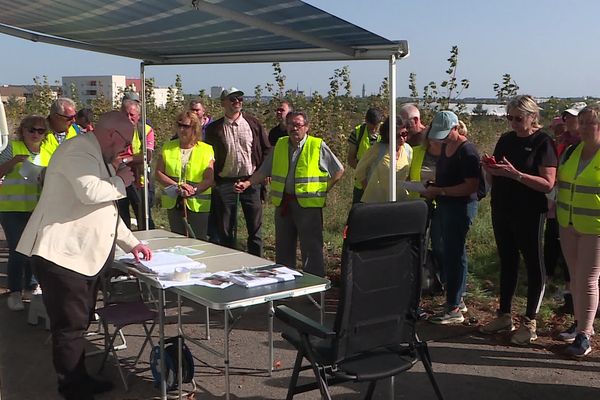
x=71 y=237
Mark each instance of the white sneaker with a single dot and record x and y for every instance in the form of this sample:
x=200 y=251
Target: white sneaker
x=37 y=291
x=14 y=302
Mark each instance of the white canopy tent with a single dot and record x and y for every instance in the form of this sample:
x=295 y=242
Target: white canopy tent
x=169 y=32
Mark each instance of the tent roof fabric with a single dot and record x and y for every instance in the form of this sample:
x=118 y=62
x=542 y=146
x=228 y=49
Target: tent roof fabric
x=196 y=31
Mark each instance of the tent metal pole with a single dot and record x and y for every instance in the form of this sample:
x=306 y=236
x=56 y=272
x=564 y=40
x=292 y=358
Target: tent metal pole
x=146 y=214
x=392 y=132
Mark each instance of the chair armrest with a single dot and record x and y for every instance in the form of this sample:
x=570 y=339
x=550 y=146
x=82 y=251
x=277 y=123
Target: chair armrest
x=302 y=323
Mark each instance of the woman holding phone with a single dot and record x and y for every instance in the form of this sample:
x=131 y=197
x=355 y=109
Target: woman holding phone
x=522 y=170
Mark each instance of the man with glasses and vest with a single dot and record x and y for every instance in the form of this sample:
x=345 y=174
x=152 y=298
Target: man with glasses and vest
x=360 y=141
x=240 y=143
x=63 y=112
x=134 y=158
x=303 y=169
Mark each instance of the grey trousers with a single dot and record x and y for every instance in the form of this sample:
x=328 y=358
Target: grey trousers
x=305 y=224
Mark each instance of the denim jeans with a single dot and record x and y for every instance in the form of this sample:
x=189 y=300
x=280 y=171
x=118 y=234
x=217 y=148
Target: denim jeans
x=13 y=224
x=455 y=219
x=437 y=243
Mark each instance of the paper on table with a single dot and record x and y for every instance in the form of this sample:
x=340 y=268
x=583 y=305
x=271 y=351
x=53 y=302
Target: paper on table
x=261 y=277
x=183 y=251
x=30 y=171
x=414 y=186
x=164 y=262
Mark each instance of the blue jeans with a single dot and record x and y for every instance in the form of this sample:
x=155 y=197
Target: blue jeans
x=455 y=220
x=13 y=224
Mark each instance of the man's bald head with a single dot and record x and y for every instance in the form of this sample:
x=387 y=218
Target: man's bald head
x=114 y=132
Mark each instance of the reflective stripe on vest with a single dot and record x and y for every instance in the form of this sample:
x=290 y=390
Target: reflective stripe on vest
x=578 y=199
x=50 y=144
x=16 y=192
x=310 y=183
x=200 y=158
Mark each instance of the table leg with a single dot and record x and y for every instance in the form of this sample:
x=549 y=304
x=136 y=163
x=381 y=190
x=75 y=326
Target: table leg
x=161 y=339
x=226 y=352
x=270 y=314
x=207 y=323
x=322 y=308
x=179 y=345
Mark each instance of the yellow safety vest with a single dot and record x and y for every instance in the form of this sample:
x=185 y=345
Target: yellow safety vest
x=578 y=200
x=50 y=144
x=363 y=145
x=136 y=142
x=310 y=183
x=415 y=168
x=200 y=158
x=16 y=192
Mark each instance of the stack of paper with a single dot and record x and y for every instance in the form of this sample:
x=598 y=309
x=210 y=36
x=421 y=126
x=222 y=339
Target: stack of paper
x=261 y=276
x=164 y=263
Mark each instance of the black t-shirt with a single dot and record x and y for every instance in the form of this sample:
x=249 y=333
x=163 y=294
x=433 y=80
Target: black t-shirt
x=527 y=155
x=454 y=170
x=275 y=133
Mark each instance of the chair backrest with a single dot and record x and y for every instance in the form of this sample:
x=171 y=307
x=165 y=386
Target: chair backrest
x=380 y=276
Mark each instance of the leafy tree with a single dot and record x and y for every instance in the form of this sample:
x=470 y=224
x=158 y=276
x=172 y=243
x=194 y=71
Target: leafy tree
x=433 y=99
x=100 y=104
x=412 y=86
x=279 y=80
x=41 y=98
x=75 y=95
x=507 y=89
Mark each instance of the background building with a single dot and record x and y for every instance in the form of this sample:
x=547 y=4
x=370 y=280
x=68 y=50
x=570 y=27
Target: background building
x=108 y=86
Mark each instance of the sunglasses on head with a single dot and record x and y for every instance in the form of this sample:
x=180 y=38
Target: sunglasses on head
x=39 y=131
x=180 y=125
x=517 y=118
x=233 y=99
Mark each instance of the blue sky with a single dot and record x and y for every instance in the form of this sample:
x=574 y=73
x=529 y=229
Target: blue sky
x=549 y=48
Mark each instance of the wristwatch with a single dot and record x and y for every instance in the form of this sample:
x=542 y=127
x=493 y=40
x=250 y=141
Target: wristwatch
x=442 y=192
x=519 y=177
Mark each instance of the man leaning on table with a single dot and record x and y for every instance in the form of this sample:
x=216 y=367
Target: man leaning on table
x=71 y=237
x=302 y=169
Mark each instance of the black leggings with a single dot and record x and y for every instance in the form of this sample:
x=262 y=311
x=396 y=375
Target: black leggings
x=516 y=235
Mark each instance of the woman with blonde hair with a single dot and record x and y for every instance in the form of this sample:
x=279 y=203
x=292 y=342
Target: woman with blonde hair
x=18 y=197
x=522 y=170
x=185 y=168
x=578 y=214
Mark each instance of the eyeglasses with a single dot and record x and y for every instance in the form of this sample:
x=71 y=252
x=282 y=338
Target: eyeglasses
x=197 y=110
x=68 y=117
x=39 y=131
x=516 y=118
x=127 y=142
x=233 y=99
x=297 y=126
x=280 y=110
x=186 y=126
x=403 y=134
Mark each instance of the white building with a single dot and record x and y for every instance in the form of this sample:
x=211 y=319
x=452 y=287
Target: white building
x=109 y=86
x=91 y=87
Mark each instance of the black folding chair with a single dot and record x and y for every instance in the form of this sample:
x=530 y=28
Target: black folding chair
x=374 y=333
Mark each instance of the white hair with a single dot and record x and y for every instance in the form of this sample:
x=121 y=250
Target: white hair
x=409 y=111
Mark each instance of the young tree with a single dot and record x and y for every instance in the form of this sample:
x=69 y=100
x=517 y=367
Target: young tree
x=507 y=89
x=41 y=98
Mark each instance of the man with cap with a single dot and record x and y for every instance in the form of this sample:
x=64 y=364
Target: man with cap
x=457 y=176
x=571 y=134
x=240 y=143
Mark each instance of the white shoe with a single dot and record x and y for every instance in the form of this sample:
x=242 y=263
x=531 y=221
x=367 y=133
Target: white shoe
x=37 y=291
x=14 y=302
